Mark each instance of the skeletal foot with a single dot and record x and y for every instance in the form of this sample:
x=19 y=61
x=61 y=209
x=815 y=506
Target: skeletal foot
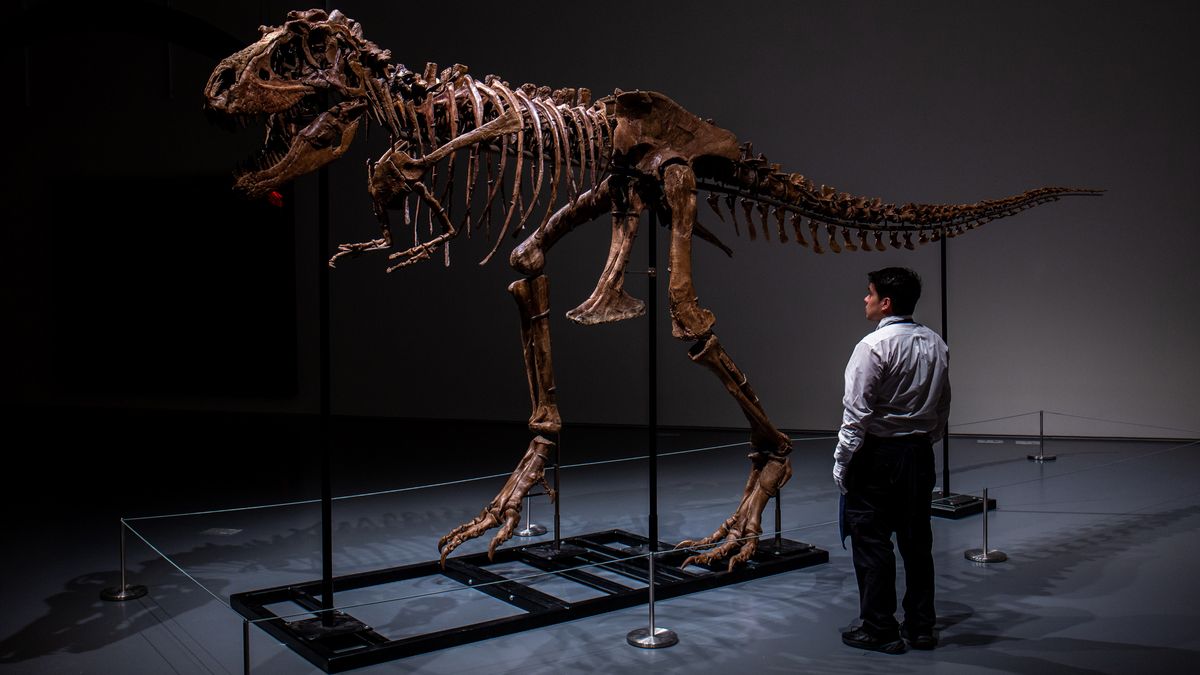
x=607 y=307
x=742 y=529
x=505 y=509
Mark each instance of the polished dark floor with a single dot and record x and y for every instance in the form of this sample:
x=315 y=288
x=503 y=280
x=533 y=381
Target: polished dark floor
x=1102 y=546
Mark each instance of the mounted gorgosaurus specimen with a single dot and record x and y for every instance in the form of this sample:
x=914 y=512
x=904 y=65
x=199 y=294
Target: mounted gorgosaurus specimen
x=555 y=160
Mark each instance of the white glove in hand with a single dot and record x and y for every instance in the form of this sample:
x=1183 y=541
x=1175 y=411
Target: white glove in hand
x=839 y=476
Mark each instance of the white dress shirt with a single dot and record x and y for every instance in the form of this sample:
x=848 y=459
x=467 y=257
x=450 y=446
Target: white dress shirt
x=897 y=384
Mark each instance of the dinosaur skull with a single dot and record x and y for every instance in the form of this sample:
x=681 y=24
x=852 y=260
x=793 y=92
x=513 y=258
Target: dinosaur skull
x=308 y=80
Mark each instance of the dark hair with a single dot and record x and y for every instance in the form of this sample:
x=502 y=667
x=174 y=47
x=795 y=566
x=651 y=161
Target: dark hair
x=900 y=284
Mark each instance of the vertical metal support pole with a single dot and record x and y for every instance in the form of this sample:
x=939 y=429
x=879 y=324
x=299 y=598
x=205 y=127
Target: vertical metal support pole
x=778 y=523
x=1041 y=455
x=652 y=394
x=327 y=617
x=245 y=647
x=531 y=528
x=557 y=493
x=124 y=591
x=653 y=555
x=985 y=554
x=123 y=566
x=652 y=637
x=169 y=58
x=985 y=519
x=946 y=338
x=28 y=65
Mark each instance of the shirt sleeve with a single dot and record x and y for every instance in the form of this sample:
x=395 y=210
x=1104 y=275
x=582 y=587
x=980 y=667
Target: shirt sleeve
x=862 y=377
x=943 y=410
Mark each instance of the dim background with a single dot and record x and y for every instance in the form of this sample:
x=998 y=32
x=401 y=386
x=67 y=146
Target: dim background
x=138 y=288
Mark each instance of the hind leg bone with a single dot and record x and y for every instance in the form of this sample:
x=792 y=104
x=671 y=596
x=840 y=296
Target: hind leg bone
x=770 y=467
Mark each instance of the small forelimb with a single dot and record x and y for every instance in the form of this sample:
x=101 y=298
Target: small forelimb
x=423 y=250
x=362 y=248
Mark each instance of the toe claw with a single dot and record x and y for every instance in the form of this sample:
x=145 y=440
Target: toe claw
x=511 y=518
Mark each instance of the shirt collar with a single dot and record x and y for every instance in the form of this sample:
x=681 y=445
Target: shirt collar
x=889 y=320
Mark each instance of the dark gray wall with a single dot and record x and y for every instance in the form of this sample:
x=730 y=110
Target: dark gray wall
x=1083 y=306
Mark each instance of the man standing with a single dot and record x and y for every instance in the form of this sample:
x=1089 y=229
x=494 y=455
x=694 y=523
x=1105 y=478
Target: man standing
x=896 y=403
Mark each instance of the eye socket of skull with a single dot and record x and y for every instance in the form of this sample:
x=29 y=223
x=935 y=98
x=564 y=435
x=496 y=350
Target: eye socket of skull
x=352 y=80
x=321 y=47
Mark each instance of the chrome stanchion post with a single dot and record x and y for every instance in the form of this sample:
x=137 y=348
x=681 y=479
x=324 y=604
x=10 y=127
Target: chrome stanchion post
x=124 y=591
x=985 y=555
x=532 y=529
x=1041 y=456
x=651 y=637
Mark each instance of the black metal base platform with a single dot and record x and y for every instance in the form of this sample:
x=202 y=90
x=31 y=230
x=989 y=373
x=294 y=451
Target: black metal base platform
x=340 y=650
x=955 y=506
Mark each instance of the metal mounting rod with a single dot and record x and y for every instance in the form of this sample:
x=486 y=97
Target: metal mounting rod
x=557 y=492
x=985 y=555
x=652 y=637
x=531 y=528
x=124 y=591
x=1041 y=455
x=778 y=522
x=946 y=339
x=324 y=435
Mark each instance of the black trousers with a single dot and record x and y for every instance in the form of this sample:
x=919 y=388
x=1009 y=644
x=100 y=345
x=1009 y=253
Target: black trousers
x=888 y=489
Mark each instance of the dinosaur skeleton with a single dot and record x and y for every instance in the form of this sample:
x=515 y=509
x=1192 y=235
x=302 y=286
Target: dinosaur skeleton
x=316 y=79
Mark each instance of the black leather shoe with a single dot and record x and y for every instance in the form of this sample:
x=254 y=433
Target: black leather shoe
x=862 y=639
x=919 y=639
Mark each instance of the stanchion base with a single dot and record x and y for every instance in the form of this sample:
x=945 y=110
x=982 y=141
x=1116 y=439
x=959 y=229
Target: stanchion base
x=123 y=593
x=978 y=555
x=1041 y=458
x=639 y=549
x=784 y=547
x=641 y=637
x=532 y=530
x=955 y=506
x=547 y=551
x=318 y=629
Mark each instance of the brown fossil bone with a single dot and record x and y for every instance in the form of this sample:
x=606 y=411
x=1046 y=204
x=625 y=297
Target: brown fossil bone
x=505 y=510
x=316 y=80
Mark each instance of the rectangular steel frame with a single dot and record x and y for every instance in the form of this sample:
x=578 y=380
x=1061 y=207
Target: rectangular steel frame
x=339 y=652
x=955 y=506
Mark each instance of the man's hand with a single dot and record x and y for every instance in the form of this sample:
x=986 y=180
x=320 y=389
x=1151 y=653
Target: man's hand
x=839 y=475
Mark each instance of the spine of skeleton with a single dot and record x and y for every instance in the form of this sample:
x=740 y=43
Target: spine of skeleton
x=837 y=220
